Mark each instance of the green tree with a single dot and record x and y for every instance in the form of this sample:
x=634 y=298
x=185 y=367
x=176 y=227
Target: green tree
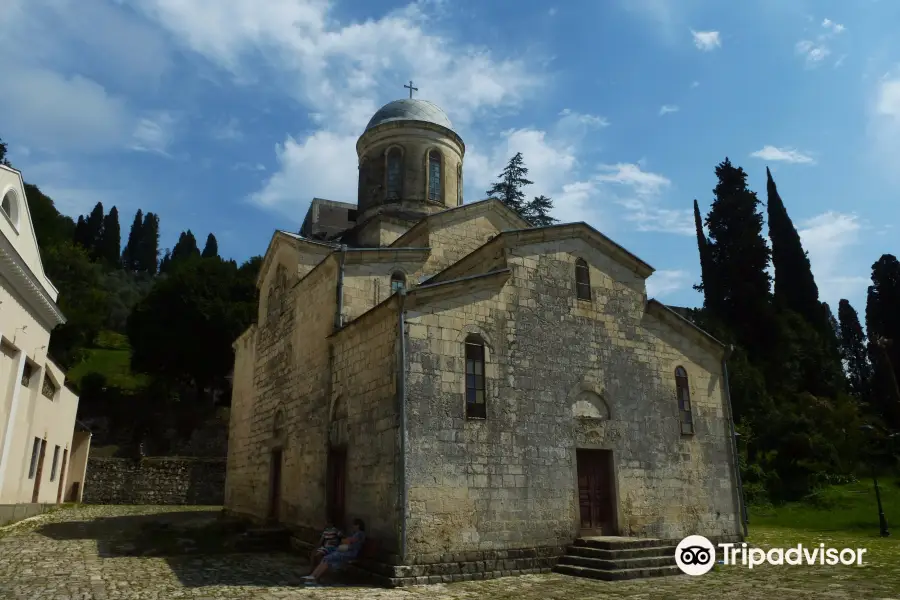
x=147 y=260
x=185 y=249
x=131 y=253
x=705 y=286
x=166 y=262
x=853 y=350
x=3 y=150
x=795 y=286
x=512 y=180
x=211 y=249
x=109 y=247
x=883 y=329
x=50 y=227
x=206 y=304
x=537 y=211
x=738 y=258
x=94 y=231
x=80 y=235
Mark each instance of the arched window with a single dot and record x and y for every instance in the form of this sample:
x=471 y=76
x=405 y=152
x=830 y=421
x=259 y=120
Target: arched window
x=475 y=400
x=398 y=282
x=10 y=207
x=582 y=280
x=459 y=185
x=434 y=176
x=683 y=391
x=394 y=173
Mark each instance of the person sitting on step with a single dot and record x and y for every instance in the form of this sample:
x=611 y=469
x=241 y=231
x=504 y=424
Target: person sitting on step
x=328 y=543
x=348 y=550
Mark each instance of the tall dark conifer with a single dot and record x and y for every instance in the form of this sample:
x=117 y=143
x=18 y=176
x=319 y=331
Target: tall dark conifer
x=94 y=231
x=537 y=211
x=509 y=189
x=211 y=249
x=703 y=248
x=882 y=314
x=147 y=260
x=738 y=259
x=853 y=350
x=82 y=238
x=130 y=255
x=795 y=286
x=185 y=248
x=109 y=247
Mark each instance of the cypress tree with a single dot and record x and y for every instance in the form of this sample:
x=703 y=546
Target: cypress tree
x=702 y=247
x=166 y=262
x=81 y=233
x=109 y=247
x=211 y=249
x=148 y=247
x=185 y=248
x=853 y=350
x=795 y=286
x=509 y=189
x=882 y=314
x=130 y=255
x=738 y=255
x=94 y=231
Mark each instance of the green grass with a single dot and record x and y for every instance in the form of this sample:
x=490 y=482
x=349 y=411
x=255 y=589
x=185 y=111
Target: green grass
x=112 y=358
x=849 y=508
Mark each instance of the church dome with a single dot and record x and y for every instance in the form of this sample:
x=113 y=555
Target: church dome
x=410 y=109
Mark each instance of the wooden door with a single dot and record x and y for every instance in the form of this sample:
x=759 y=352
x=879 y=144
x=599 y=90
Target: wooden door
x=62 y=476
x=337 y=471
x=275 y=485
x=39 y=473
x=596 y=492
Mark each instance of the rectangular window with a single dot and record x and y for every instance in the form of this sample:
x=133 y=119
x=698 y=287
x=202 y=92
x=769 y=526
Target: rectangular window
x=475 y=404
x=48 y=388
x=35 y=451
x=684 y=408
x=582 y=280
x=26 y=374
x=55 y=460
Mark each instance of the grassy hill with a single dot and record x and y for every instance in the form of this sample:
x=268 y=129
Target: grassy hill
x=110 y=356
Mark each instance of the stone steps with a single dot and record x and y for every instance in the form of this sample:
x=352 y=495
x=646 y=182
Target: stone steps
x=617 y=559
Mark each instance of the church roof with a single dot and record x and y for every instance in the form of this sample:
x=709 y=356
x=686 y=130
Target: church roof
x=410 y=109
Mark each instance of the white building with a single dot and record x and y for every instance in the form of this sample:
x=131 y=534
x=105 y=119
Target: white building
x=43 y=454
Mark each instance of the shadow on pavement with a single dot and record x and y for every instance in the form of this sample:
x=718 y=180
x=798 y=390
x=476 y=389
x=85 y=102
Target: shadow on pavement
x=199 y=547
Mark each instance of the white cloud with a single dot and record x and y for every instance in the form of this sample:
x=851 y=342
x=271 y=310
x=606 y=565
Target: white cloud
x=832 y=26
x=640 y=193
x=706 y=40
x=154 y=133
x=664 y=282
x=827 y=238
x=884 y=124
x=813 y=52
x=788 y=155
x=230 y=130
x=668 y=108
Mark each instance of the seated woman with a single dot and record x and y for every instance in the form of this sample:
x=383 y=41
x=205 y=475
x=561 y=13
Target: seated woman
x=328 y=543
x=348 y=550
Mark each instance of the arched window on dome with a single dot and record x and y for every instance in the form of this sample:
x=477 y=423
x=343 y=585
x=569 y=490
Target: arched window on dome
x=394 y=172
x=459 y=185
x=434 y=176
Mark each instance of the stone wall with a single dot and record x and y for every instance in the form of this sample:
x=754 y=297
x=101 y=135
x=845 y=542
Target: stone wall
x=155 y=480
x=561 y=374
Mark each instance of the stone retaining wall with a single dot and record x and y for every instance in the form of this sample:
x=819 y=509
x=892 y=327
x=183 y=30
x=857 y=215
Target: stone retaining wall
x=157 y=480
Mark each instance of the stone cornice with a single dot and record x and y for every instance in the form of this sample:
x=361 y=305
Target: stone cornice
x=14 y=269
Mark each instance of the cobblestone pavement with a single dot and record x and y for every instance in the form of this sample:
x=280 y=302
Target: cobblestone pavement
x=78 y=554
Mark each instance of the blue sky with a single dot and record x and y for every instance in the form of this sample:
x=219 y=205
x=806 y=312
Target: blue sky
x=230 y=115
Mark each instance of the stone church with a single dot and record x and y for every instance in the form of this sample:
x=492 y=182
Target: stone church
x=473 y=388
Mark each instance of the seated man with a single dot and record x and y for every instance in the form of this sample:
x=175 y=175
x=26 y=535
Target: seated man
x=328 y=543
x=348 y=550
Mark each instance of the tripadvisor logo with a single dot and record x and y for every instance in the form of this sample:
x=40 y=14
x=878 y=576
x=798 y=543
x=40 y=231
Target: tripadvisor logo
x=696 y=555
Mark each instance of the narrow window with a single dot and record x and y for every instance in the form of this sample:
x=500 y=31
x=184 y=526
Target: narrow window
x=682 y=389
x=398 y=282
x=394 y=163
x=278 y=423
x=27 y=371
x=48 y=388
x=55 y=461
x=459 y=185
x=475 y=405
x=35 y=449
x=582 y=280
x=363 y=175
x=434 y=176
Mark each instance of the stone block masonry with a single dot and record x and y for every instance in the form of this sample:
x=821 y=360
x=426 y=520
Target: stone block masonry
x=163 y=480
